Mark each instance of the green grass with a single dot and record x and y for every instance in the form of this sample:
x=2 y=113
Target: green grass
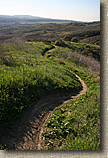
x=76 y=126
x=25 y=75
x=81 y=48
x=82 y=45
x=74 y=59
x=86 y=49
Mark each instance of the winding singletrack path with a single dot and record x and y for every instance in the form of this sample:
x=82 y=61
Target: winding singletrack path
x=26 y=133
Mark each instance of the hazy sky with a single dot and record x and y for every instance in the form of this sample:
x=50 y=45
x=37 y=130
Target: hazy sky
x=83 y=10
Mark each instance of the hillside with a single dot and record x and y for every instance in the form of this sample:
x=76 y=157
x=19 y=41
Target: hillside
x=50 y=86
x=20 y=19
x=40 y=30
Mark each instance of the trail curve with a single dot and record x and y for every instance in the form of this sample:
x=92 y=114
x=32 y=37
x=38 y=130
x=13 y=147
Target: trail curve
x=26 y=133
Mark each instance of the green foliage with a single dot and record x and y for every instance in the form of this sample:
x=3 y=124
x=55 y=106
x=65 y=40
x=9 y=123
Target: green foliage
x=41 y=31
x=74 y=39
x=84 y=35
x=76 y=126
x=3 y=147
x=60 y=42
x=26 y=76
x=74 y=59
x=86 y=49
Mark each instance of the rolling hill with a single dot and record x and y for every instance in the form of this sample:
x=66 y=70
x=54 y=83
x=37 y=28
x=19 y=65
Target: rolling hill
x=26 y=19
x=49 y=84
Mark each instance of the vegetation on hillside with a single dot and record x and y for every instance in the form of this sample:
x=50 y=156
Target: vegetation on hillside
x=42 y=62
x=26 y=75
x=50 y=32
x=76 y=126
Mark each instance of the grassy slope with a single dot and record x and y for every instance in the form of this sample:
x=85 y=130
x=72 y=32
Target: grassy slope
x=82 y=48
x=86 y=49
x=25 y=76
x=76 y=57
x=75 y=126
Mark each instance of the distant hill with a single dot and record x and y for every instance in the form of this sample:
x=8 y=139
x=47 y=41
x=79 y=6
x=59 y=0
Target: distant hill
x=33 y=28
x=27 y=19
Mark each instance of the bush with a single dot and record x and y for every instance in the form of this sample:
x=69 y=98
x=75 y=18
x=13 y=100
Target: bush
x=67 y=38
x=60 y=43
x=74 y=39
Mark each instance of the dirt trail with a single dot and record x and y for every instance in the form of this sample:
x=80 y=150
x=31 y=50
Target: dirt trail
x=53 y=47
x=73 y=97
x=26 y=133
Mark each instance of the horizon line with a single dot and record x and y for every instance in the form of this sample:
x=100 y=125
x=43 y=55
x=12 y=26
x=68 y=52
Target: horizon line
x=47 y=17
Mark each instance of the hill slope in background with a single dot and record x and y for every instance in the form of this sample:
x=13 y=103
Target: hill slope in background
x=27 y=18
x=32 y=28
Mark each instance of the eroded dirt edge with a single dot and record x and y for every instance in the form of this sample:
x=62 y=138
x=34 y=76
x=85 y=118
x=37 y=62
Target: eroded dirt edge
x=83 y=91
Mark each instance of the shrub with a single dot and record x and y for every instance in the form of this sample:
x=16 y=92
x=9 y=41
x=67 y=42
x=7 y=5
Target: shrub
x=60 y=43
x=59 y=61
x=74 y=39
x=67 y=37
